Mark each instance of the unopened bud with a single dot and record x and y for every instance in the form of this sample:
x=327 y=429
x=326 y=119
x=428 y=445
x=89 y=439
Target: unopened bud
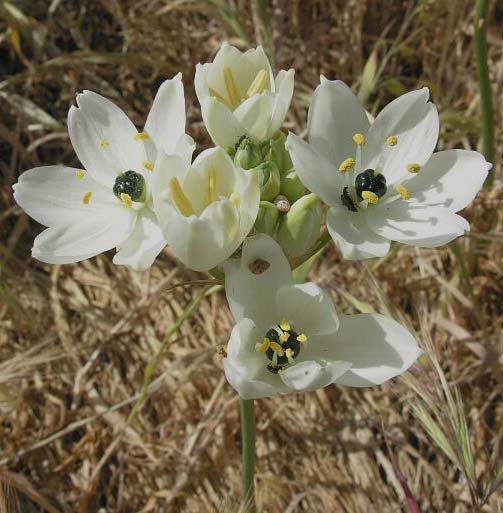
x=299 y=229
x=269 y=180
x=267 y=218
x=292 y=187
x=279 y=155
x=248 y=154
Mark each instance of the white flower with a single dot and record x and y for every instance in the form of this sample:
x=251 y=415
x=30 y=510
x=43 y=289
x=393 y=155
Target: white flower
x=381 y=180
x=288 y=337
x=240 y=96
x=108 y=204
x=207 y=209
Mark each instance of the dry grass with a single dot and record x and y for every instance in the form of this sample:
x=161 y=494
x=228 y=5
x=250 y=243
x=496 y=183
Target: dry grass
x=76 y=340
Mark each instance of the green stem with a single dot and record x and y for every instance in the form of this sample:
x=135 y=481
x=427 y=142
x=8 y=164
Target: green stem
x=486 y=103
x=247 y=408
x=322 y=241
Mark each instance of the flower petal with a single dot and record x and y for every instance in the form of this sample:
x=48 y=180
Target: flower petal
x=311 y=375
x=353 y=236
x=378 y=349
x=255 y=115
x=413 y=223
x=223 y=127
x=308 y=307
x=253 y=295
x=284 y=92
x=450 y=179
x=334 y=117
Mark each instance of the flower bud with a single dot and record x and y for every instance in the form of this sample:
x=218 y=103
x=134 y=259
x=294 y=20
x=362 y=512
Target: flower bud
x=269 y=180
x=300 y=228
x=267 y=218
x=248 y=154
x=279 y=154
x=292 y=187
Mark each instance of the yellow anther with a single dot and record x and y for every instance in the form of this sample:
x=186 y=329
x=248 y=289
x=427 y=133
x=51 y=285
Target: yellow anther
x=359 y=139
x=413 y=168
x=392 y=140
x=87 y=198
x=141 y=136
x=284 y=337
x=370 y=196
x=232 y=88
x=104 y=143
x=276 y=348
x=211 y=188
x=80 y=174
x=403 y=191
x=347 y=165
x=285 y=325
x=236 y=199
x=148 y=164
x=258 y=84
x=181 y=201
x=290 y=354
x=219 y=97
x=264 y=346
x=302 y=338
x=126 y=199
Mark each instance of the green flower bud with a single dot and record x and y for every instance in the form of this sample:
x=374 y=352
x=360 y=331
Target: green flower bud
x=299 y=229
x=279 y=155
x=267 y=218
x=248 y=154
x=269 y=180
x=292 y=187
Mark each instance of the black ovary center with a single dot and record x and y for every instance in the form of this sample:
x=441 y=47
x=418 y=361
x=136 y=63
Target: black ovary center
x=292 y=343
x=369 y=181
x=131 y=183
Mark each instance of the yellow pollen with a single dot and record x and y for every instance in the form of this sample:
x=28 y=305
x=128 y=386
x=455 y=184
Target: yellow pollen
x=264 y=346
x=211 y=188
x=148 y=164
x=126 y=199
x=181 y=201
x=392 y=140
x=236 y=199
x=258 y=84
x=285 y=325
x=302 y=338
x=219 y=97
x=359 y=139
x=347 y=165
x=80 y=174
x=232 y=88
x=277 y=348
x=284 y=337
x=289 y=353
x=403 y=191
x=104 y=143
x=370 y=196
x=141 y=136
x=87 y=198
x=413 y=168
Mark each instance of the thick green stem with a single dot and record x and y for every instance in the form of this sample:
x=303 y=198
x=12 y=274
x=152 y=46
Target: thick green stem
x=486 y=102
x=248 y=453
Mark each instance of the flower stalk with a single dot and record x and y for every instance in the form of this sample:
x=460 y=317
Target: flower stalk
x=247 y=408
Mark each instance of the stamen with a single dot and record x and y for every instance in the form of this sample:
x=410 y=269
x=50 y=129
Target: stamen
x=347 y=165
x=392 y=140
x=370 y=197
x=211 y=188
x=277 y=348
x=87 y=198
x=359 y=139
x=148 y=164
x=236 y=199
x=413 y=168
x=263 y=346
x=302 y=338
x=284 y=337
x=126 y=199
x=219 y=97
x=232 y=88
x=274 y=361
x=104 y=143
x=290 y=354
x=258 y=84
x=181 y=201
x=141 y=136
x=80 y=174
x=403 y=191
x=285 y=325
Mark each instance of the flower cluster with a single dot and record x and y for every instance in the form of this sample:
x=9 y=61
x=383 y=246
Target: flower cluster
x=256 y=205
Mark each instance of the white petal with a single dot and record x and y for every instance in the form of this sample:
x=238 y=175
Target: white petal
x=413 y=223
x=100 y=231
x=223 y=127
x=353 y=236
x=414 y=121
x=103 y=138
x=450 y=179
x=317 y=173
x=311 y=375
x=245 y=368
x=201 y=82
x=253 y=295
x=308 y=307
x=255 y=115
x=284 y=92
x=378 y=349
x=143 y=245
x=166 y=119
x=54 y=194
x=334 y=117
